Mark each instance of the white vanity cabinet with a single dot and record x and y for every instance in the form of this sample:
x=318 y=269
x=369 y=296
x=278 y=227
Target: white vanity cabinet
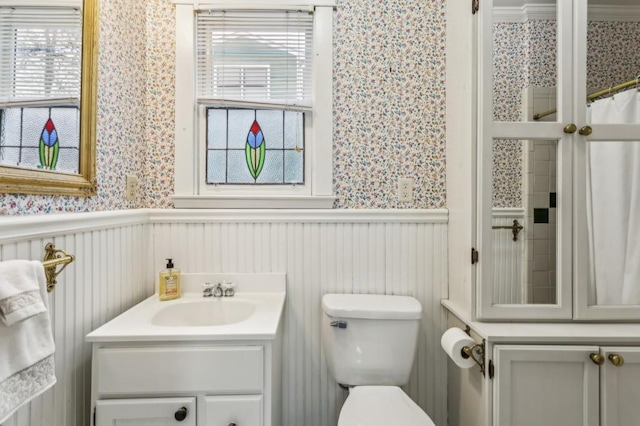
x=566 y=385
x=548 y=374
x=186 y=383
x=193 y=361
x=545 y=385
x=140 y=412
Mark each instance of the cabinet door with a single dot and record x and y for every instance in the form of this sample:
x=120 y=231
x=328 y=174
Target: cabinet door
x=607 y=161
x=244 y=410
x=146 y=412
x=545 y=385
x=524 y=161
x=620 y=386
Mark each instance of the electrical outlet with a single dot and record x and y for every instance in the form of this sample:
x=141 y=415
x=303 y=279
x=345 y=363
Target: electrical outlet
x=132 y=188
x=405 y=190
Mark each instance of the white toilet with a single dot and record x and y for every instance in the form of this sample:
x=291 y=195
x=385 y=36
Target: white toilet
x=370 y=344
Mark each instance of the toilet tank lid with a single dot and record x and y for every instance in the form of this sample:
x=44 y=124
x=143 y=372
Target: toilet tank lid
x=371 y=306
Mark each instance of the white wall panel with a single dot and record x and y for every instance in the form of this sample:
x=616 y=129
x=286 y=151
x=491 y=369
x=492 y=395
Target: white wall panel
x=118 y=255
x=509 y=285
x=107 y=277
x=323 y=256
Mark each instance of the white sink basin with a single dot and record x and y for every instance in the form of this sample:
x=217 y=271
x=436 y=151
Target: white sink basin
x=254 y=312
x=203 y=313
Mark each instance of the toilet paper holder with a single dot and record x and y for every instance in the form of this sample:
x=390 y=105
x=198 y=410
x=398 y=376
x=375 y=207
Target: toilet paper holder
x=475 y=352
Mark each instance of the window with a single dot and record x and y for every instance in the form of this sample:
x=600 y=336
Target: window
x=257 y=129
x=40 y=87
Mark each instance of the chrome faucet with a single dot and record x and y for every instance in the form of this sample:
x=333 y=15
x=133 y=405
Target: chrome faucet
x=218 y=290
x=211 y=290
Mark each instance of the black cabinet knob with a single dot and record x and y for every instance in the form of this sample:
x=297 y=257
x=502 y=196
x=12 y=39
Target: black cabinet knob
x=181 y=414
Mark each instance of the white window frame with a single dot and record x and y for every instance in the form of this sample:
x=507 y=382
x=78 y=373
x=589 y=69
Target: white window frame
x=190 y=179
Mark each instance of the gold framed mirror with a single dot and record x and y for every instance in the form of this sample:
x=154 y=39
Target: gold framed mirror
x=32 y=166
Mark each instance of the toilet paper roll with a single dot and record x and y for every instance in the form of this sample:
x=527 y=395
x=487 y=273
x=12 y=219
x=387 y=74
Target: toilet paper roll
x=453 y=340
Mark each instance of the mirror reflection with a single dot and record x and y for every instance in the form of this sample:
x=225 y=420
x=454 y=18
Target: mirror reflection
x=524 y=57
x=48 y=64
x=40 y=53
x=524 y=221
x=524 y=171
x=613 y=167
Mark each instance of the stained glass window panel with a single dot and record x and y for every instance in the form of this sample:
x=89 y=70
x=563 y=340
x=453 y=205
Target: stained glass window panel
x=67 y=125
x=292 y=130
x=273 y=168
x=293 y=170
x=238 y=124
x=21 y=130
x=261 y=147
x=216 y=166
x=237 y=170
x=272 y=124
x=217 y=129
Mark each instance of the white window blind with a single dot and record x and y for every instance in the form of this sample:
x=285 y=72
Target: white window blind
x=40 y=55
x=252 y=57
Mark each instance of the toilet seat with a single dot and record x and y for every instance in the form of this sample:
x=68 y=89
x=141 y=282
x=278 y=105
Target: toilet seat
x=381 y=406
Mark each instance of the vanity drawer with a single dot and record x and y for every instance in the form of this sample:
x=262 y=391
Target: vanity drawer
x=161 y=370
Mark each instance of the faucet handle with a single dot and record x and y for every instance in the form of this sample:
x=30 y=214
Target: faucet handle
x=207 y=290
x=228 y=288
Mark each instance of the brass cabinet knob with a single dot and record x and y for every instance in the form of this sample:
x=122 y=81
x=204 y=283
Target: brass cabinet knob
x=570 y=128
x=616 y=360
x=586 y=131
x=597 y=359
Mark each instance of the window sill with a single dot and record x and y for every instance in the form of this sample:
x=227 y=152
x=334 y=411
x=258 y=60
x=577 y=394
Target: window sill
x=252 y=202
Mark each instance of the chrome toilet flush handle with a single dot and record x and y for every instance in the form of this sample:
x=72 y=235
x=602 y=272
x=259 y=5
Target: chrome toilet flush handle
x=339 y=324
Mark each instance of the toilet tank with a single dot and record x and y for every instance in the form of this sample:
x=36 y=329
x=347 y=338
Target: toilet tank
x=370 y=339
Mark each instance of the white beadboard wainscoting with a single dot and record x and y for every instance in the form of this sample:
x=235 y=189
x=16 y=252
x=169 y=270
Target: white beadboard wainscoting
x=107 y=277
x=509 y=284
x=118 y=255
x=385 y=252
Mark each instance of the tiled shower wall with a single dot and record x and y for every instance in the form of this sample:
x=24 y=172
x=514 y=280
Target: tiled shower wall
x=540 y=183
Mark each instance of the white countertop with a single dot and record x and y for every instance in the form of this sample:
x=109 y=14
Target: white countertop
x=265 y=291
x=550 y=333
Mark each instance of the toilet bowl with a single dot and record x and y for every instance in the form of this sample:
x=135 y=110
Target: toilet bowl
x=381 y=406
x=370 y=343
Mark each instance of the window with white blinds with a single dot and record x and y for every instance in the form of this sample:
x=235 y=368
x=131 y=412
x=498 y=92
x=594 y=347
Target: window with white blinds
x=40 y=55
x=255 y=58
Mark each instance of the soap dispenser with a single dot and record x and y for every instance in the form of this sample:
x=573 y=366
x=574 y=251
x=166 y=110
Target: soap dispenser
x=170 y=287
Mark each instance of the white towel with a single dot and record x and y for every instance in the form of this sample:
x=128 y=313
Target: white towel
x=27 y=366
x=20 y=290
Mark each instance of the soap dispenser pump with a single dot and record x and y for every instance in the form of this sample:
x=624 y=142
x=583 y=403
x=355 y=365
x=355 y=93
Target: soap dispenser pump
x=170 y=287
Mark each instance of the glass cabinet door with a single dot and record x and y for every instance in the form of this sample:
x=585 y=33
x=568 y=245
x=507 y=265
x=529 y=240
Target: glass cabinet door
x=607 y=160
x=524 y=160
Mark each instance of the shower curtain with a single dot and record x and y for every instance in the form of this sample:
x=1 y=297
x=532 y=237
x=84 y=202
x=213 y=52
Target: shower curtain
x=613 y=204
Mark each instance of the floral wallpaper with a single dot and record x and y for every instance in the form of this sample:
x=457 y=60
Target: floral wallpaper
x=389 y=102
x=159 y=102
x=120 y=116
x=389 y=106
x=525 y=55
x=613 y=56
